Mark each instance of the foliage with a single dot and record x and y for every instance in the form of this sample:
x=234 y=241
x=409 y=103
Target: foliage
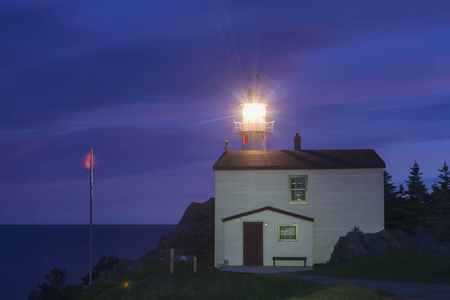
x=102 y=265
x=390 y=201
x=415 y=206
x=355 y=230
x=440 y=196
x=417 y=200
x=158 y=283
x=393 y=203
x=391 y=267
x=53 y=289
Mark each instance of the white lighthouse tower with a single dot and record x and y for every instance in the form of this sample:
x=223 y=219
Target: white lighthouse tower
x=254 y=125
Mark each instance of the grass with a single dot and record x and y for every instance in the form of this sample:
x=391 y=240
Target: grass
x=158 y=283
x=391 y=267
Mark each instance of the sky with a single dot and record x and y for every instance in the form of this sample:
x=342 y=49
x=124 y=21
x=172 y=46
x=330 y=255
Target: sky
x=154 y=87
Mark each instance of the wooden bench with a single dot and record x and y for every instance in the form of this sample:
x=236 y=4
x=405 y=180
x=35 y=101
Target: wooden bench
x=289 y=258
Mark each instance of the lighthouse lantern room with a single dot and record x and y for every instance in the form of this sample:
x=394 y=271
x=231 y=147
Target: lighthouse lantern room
x=254 y=125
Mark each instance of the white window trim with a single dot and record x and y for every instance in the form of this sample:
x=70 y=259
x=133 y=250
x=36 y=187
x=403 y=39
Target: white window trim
x=306 y=189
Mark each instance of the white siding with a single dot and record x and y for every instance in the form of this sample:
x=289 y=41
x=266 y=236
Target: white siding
x=338 y=200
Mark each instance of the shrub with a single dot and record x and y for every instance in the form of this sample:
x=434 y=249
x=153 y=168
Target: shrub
x=355 y=230
x=102 y=265
x=53 y=289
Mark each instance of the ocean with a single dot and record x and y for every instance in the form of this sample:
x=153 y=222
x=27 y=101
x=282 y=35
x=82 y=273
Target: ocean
x=29 y=252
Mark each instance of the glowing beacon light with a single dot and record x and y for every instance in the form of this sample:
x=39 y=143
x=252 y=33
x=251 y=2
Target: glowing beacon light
x=254 y=111
x=254 y=117
x=254 y=125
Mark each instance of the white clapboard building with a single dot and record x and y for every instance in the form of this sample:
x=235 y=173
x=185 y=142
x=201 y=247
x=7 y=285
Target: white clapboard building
x=291 y=205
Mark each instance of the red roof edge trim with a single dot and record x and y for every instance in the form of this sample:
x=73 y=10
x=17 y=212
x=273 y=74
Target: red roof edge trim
x=267 y=208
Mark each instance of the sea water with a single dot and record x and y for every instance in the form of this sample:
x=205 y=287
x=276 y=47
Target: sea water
x=29 y=252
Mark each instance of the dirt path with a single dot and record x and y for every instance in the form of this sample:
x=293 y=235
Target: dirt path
x=410 y=291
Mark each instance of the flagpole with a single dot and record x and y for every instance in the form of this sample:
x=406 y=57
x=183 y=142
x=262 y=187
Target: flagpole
x=90 y=227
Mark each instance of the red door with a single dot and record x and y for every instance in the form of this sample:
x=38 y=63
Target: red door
x=253 y=243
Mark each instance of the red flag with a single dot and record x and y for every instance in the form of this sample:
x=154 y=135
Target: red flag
x=87 y=163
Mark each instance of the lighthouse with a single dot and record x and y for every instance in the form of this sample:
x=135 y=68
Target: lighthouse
x=254 y=126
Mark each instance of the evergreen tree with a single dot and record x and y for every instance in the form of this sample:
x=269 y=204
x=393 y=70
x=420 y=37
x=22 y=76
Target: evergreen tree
x=392 y=203
x=416 y=201
x=440 y=208
x=402 y=211
x=401 y=194
x=53 y=289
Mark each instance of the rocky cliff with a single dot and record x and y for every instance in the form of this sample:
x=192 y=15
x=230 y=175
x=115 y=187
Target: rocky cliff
x=354 y=245
x=194 y=234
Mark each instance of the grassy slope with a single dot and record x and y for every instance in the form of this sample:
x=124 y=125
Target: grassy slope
x=157 y=283
x=392 y=267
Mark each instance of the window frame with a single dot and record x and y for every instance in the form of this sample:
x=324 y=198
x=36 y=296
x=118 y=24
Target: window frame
x=287 y=240
x=290 y=189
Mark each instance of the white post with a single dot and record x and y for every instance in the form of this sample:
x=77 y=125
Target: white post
x=195 y=264
x=90 y=219
x=172 y=258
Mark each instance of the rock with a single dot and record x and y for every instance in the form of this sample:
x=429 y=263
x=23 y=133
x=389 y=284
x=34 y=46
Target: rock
x=353 y=246
x=431 y=243
x=194 y=233
x=123 y=267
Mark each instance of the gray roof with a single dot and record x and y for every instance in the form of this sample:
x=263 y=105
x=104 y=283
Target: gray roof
x=298 y=159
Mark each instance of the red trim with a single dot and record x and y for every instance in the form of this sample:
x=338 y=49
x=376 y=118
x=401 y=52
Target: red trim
x=267 y=208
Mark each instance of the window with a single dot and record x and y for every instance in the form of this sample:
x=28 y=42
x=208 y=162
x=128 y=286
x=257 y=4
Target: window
x=287 y=233
x=298 y=191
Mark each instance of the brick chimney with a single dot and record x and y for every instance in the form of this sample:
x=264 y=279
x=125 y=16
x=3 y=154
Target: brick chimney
x=297 y=142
